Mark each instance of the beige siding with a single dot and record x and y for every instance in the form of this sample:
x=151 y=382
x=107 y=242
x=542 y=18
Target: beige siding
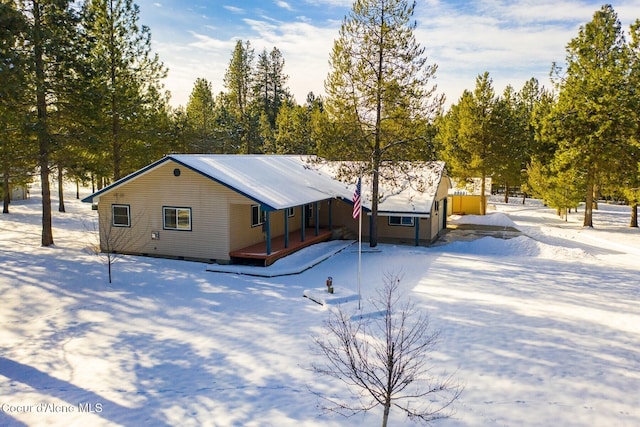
x=429 y=227
x=147 y=194
x=438 y=217
x=220 y=217
x=403 y=233
x=243 y=234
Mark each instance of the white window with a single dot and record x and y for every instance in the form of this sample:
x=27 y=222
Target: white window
x=291 y=212
x=120 y=215
x=175 y=218
x=405 y=221
x=258 y=216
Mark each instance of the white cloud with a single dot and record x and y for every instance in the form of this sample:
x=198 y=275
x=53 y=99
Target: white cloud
x=514 y=41
x=284 y=5
x=334 y=3
x=234 y=9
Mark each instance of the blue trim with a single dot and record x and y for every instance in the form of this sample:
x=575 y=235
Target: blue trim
x=303 y=224
x=405 y=213
x=286 y=228
x=268 y=230
x=317 y=219
x=89 y=199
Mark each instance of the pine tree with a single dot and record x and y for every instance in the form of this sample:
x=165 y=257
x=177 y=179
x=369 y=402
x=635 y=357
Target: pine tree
x=16 y=152
x=631 y=179
x=591 y=120
x=50 y=34
x=472 y=136
x=378 y=91
x=127 y=77
x=238 y=81
x=293 y=130
x=270 y=91
x=200 y=118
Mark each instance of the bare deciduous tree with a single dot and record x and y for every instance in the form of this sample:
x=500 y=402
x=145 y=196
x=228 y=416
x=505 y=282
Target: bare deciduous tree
x=384 y=360
x=112 y=242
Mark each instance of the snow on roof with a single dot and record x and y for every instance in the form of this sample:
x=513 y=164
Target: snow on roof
x=404 y=187
x=275 y=181
x=278 y=181
x=284 y=181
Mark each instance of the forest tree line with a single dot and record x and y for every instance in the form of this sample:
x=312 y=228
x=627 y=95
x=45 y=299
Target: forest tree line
x=81 y=98
x=575 y=142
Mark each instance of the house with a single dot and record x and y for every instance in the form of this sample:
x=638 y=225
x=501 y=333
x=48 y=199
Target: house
x=228 y=208
x=412 y=201
x=17 y=191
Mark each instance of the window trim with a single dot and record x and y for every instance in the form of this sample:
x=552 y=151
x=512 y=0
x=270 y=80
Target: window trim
x=261 y=216
x=291 y=212
x=402 y=221
x=113 y=216
x=176 y=209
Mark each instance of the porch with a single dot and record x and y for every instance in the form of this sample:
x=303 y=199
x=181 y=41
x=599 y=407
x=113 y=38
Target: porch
x=257 y=253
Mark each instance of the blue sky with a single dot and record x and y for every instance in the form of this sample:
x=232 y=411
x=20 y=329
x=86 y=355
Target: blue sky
x=513 y=40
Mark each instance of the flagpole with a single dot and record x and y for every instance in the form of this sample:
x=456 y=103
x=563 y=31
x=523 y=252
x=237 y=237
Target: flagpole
x=359 y=252
x=357 y=212
x=359 y=255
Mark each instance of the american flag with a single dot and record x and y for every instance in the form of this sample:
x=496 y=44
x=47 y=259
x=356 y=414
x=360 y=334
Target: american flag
x=357 y=205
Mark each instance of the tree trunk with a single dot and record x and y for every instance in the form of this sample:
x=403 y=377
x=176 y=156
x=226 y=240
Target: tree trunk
x=109 y=262
x=373 y=220
x=588 y=209
x=506 y=192
x=483 y=197
x=115 y=116
x=115 y=142
x=391 y=358
x=77 y=190
x=6 y=196
x=385 y=415
x=634 y=215
x=43 y=133
x=60 y=191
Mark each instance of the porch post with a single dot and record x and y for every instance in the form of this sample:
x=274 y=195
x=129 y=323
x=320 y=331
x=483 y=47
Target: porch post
x=330 y=214
x=286 y=228
x=417 y=227
x=303 y=223
x=267 y=226
x=317 y=218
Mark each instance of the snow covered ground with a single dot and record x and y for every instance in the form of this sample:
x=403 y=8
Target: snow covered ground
x=542 y=329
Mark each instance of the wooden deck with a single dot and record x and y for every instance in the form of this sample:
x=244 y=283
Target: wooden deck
x=258 y=253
